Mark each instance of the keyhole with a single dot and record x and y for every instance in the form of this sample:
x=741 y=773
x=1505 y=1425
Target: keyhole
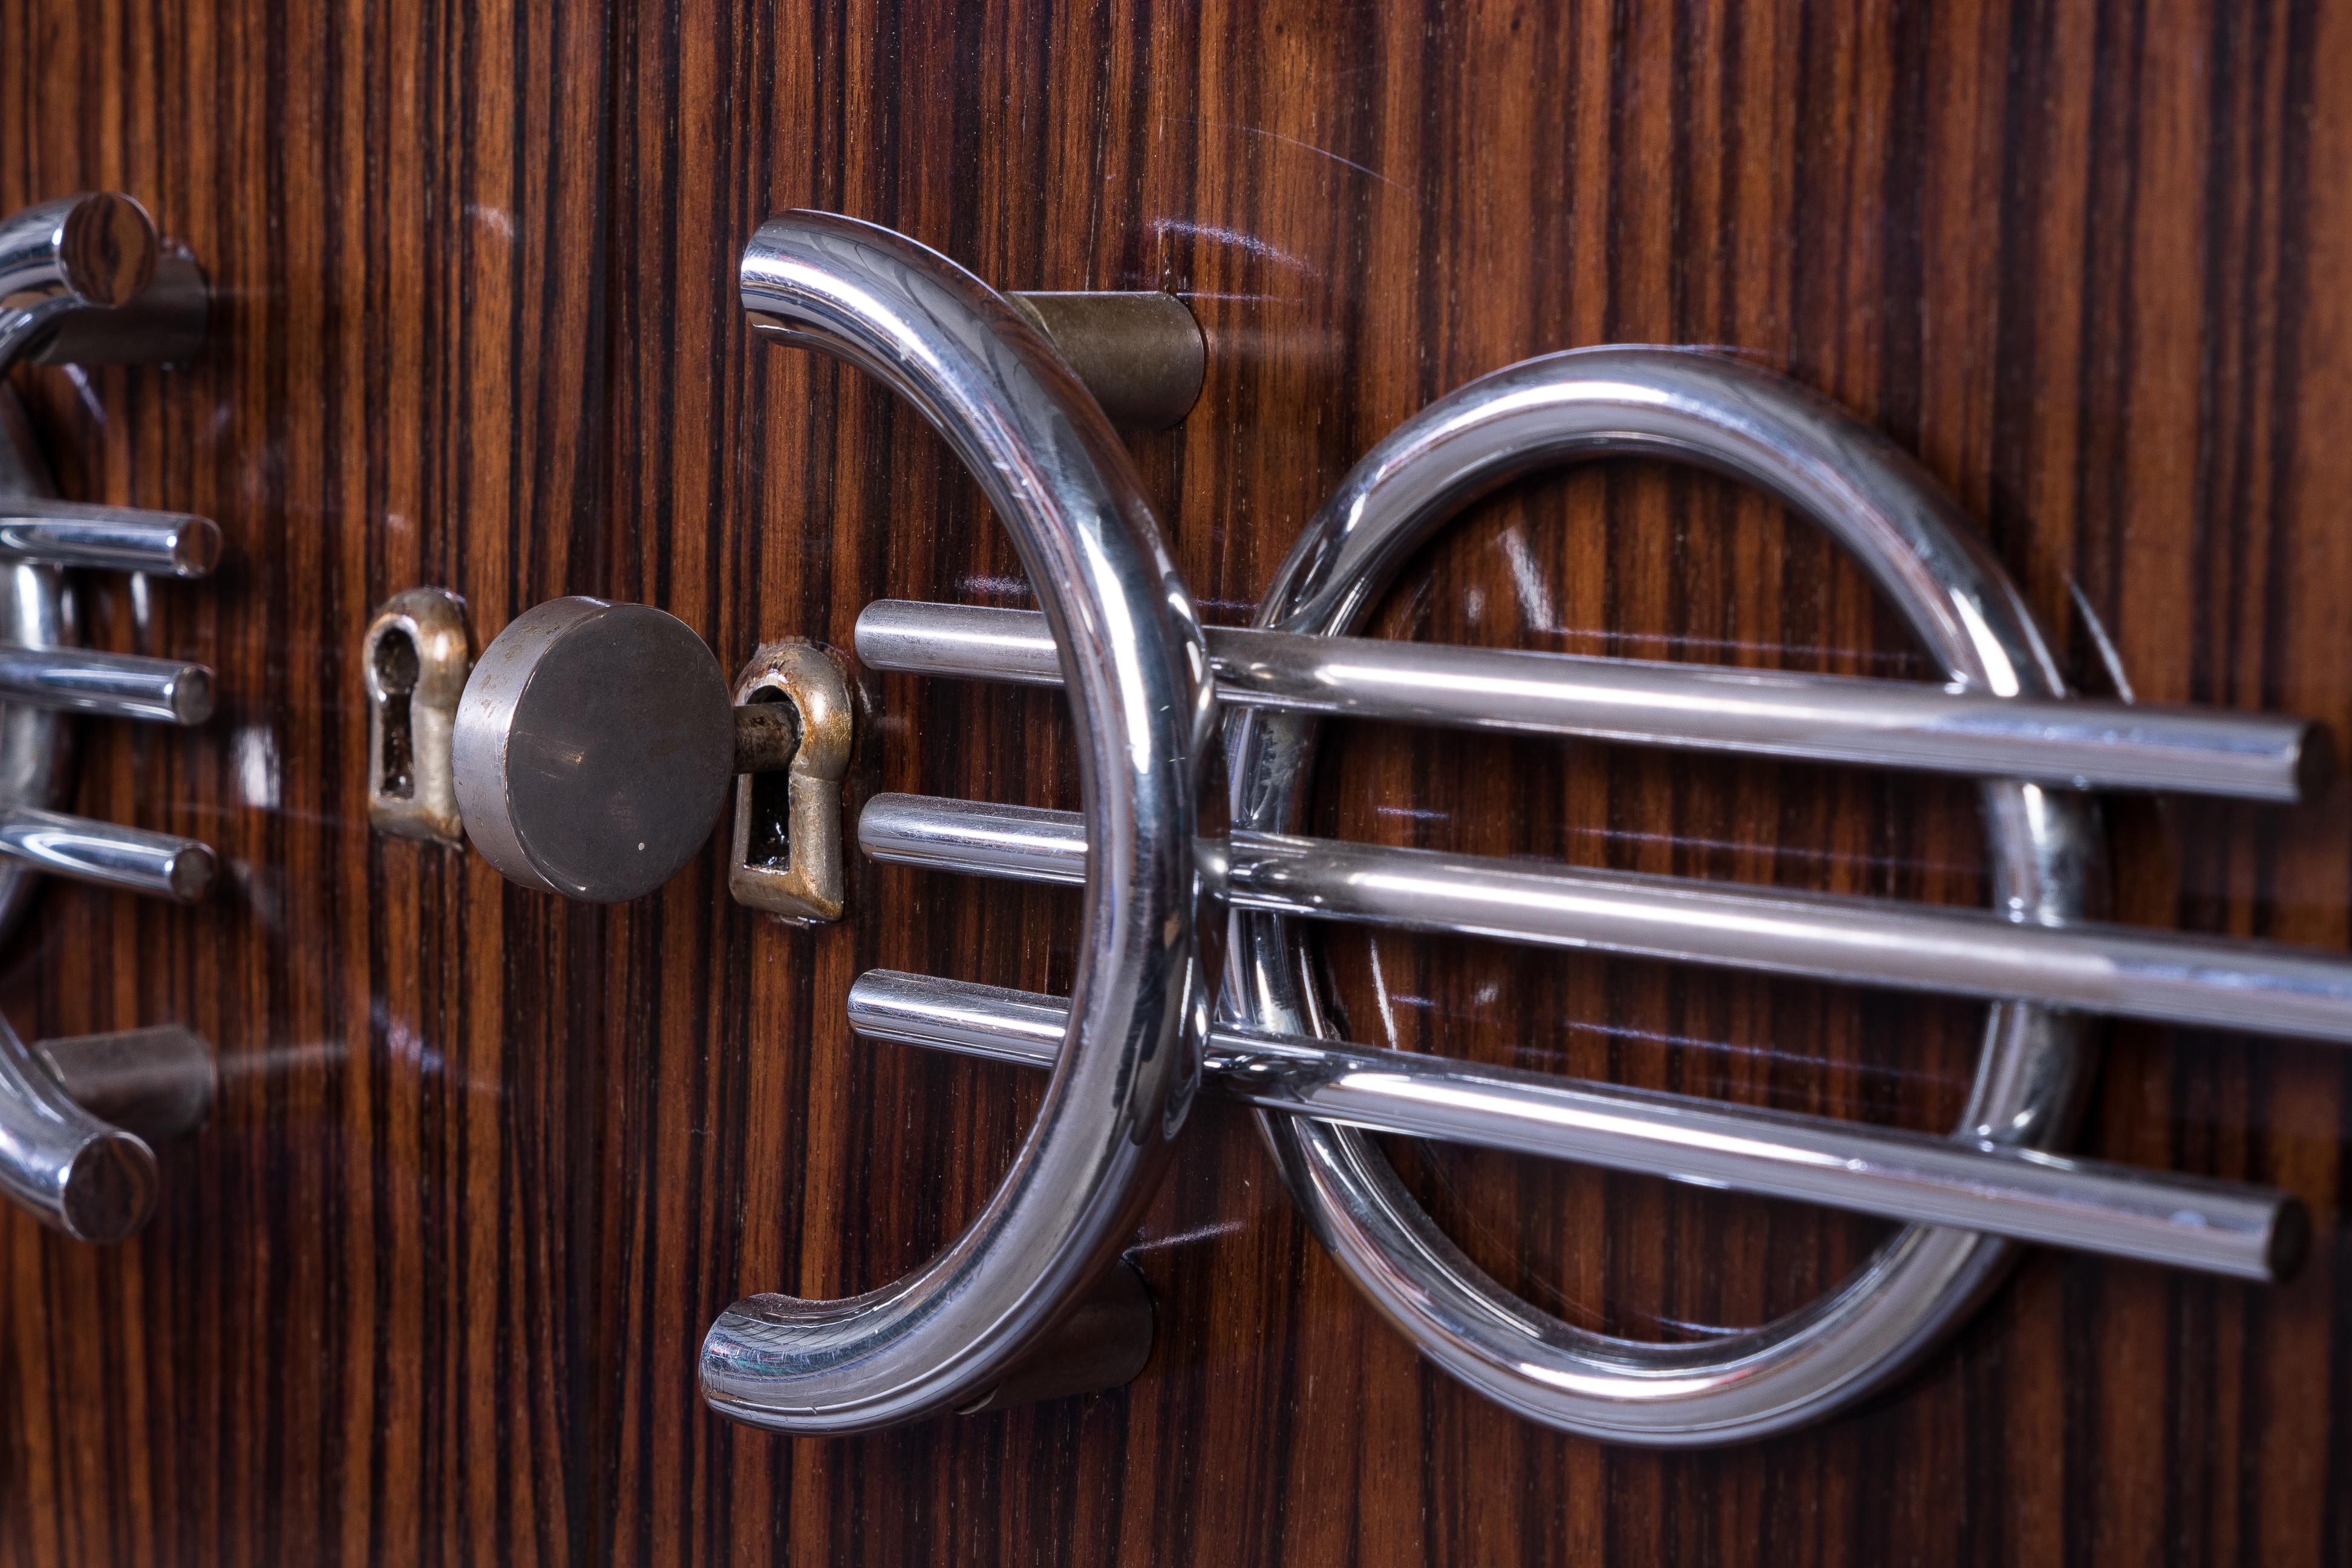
x=395 y=676
x=770 y=842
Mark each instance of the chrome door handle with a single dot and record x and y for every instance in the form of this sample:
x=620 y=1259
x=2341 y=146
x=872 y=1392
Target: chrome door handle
x=2003 y=717
x=95 y=285
x=2185 y=1222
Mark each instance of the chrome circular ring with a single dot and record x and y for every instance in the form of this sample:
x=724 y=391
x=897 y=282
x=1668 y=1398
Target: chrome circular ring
x=1135 y=669
x=1824 y=464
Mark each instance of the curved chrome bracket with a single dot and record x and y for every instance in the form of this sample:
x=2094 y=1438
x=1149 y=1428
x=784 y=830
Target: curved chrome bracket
x=1133 y=659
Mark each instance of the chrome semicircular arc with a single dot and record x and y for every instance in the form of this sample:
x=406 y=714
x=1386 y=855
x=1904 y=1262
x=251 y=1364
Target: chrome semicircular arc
x=1137 y=668
x=1877 y=502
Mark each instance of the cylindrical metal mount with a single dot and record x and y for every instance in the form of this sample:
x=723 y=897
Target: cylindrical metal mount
x=164 y=323
x=157 y=1082
x=1138 y=353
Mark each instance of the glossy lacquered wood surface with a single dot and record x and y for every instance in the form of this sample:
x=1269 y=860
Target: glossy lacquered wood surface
x=430 y=1286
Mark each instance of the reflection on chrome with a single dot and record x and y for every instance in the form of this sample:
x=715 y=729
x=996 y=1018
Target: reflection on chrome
x=2182 y=1221
x=1947 y=729
x=2117 y=970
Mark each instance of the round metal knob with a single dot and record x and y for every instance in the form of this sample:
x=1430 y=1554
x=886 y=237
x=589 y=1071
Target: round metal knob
x=593 y=745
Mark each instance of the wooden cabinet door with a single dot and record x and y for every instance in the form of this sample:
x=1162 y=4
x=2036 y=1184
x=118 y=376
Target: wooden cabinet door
x=431 y=1285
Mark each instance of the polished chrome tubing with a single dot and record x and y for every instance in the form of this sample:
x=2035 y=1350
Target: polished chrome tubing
x=1818 y=718
x=110 y=538
x=90 y=1180
x=2115 y=970
x=112 y=685
x=107 y=853
x=1067 y=492
x=2086 y=1205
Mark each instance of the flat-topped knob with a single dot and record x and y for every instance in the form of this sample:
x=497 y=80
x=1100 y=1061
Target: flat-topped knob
x=592 y=748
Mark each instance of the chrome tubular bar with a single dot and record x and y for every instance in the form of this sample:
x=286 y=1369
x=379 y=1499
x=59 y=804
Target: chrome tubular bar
x=1818 y=718
x=2087 y=1205
x=107 y=853
x=112 y=685
x=2114 y=970
x=110 y=538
